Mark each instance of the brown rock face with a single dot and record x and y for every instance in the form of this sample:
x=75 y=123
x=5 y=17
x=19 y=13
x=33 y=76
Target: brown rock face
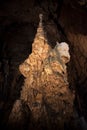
x=64 y=20
x=46 y=89
x=73 y=20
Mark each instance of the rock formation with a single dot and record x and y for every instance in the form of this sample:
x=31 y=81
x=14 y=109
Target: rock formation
x=46 y=90
x=64 y=21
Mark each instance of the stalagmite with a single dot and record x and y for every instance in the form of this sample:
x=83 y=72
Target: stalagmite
x=46 y=88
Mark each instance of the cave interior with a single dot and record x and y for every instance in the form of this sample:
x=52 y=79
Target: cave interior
x=64 y=21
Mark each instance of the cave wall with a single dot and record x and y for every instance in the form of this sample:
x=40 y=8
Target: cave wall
x=63 y=21
x=73 y=21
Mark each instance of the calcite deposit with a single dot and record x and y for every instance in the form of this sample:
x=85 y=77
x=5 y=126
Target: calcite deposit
x=46 y=89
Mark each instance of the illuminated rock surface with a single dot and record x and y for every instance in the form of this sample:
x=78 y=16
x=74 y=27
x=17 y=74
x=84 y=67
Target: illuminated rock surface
x=46 y=89
x=64 y=21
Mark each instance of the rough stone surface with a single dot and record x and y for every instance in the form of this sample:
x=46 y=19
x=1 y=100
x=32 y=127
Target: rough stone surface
x=46 y=90
x=64 y=20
